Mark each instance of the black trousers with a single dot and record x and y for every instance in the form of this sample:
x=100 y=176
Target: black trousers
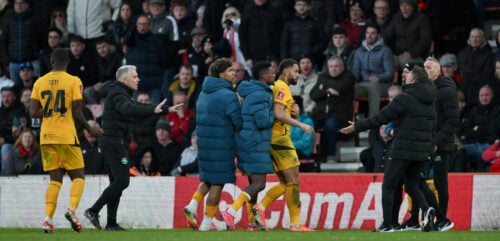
x=441 y=177
x=116 y=159
x=395 y=170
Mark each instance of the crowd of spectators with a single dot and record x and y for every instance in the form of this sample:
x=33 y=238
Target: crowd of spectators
x=346 y=49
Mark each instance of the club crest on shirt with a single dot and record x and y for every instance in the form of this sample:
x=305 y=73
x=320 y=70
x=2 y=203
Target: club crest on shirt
x=81 y=88
x=280 y=95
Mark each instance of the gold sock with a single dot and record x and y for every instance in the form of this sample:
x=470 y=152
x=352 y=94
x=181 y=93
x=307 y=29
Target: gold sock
x=51 y=198
x=198 y=197
x=251 y=218
x=430 y=183
x=272 y=194
x=210 y=211
x=292 y=197
x=75 y=192
x=240 y=201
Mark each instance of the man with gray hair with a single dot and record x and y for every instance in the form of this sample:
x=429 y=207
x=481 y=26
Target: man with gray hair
x=117 y=120
x=476 y=66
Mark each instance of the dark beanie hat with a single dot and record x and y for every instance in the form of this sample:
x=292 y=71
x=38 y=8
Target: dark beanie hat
x=163 y=124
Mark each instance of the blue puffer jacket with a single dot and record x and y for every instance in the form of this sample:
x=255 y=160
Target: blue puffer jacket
x=254 y=141
x=218 y=118
x=377 y=61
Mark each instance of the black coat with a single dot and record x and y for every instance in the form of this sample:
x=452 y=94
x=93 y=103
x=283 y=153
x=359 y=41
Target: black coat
x=108 y=65
x=477 y=70
x=412 y=34
x=84 y=68
x=481 y=116
x=117 y=118
x=330 y=105
x=447 y=114
x=22 y=36
x=260 y=31
x=413 y=113
x=149 y=53
x=302 y=36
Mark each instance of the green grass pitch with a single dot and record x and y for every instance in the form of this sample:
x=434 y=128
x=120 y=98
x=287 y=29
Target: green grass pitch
x=31 y=234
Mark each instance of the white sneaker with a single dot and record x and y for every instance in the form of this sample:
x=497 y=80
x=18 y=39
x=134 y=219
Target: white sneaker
x=213 y=227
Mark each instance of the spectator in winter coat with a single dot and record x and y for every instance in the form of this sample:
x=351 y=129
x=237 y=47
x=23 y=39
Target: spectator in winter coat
x=258 y=36
x=179 y=120
x=373 y=67
x=409 y=34
x=476 y=131
x=108 y=61
x=307 y=80
x=82 y=63
x=55 y=40
x=26 y=154
x=22 y=35
x=146 y=51
x=302 y=35
x=475 y=64
x=339 y=46
x=354 y=24
x=333 y=94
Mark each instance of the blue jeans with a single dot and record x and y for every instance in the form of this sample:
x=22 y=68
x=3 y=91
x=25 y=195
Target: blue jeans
x=331 y=126
x=474 y=152
x=7 y=165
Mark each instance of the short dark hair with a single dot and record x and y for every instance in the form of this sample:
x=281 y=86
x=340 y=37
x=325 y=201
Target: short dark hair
x=187 y=66
x=76 y=38
x=259 y=69
x=285 y=64
x=419 y=74
x=101 y=40
x=339 y=30
x=8 y=88
x=219 y=66
x=53 y=29
x=372 y=25
x=59 y=57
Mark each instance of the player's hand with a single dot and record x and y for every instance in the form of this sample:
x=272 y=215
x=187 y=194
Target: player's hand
x=348 y=129
x=95 y=131
x=158 y=108
x=175 y=107
x=306 y=128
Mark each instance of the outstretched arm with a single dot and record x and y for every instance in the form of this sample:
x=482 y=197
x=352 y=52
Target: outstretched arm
x=348 y=129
